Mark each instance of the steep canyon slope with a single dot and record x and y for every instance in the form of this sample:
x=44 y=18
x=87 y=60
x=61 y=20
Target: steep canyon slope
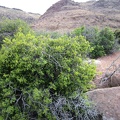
x=66 y=15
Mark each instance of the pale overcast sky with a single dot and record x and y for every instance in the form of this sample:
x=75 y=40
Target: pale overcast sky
x=35 y=6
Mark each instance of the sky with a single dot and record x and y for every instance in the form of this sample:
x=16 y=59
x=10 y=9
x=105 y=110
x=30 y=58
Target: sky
x=34 y=6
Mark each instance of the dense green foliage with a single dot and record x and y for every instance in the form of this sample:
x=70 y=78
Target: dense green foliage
x=53 y=35
x=117 y=35
x=9 y=27
x=107 y=40
x=39 y=75
x=103 y=41
x=35 y=70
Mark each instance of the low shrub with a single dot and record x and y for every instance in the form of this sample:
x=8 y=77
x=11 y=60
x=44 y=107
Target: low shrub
x=34 y=70
x=103 y=41
x=8 y=28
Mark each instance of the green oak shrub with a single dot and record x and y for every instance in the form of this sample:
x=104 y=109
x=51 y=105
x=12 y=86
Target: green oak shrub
x=10 y=27
x=92 y=35
x=107 y=40
x=53 y=35
x=117 y=35
x=22 y=96
x=97 y=52
x=103 y=41
x=34 y=70
x=79 y=31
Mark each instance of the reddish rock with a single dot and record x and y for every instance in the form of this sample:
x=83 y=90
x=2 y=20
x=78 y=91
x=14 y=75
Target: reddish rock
x=107 y=101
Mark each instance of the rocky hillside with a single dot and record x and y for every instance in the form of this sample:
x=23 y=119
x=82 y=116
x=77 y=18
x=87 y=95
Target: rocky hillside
x=108 y=4
x=66 y=15
x=14 y=13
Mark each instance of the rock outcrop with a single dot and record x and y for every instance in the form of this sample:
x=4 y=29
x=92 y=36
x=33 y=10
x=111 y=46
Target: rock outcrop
x=63 y=5
x=107 y=101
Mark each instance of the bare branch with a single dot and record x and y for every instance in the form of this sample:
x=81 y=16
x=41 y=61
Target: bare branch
x=107 y=76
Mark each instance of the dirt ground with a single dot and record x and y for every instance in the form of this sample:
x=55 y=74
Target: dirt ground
x=112 y=60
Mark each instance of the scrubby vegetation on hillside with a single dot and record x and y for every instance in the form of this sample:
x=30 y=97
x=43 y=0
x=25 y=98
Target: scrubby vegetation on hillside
x=8 y=28
x=40 y=75
x=104 y=41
